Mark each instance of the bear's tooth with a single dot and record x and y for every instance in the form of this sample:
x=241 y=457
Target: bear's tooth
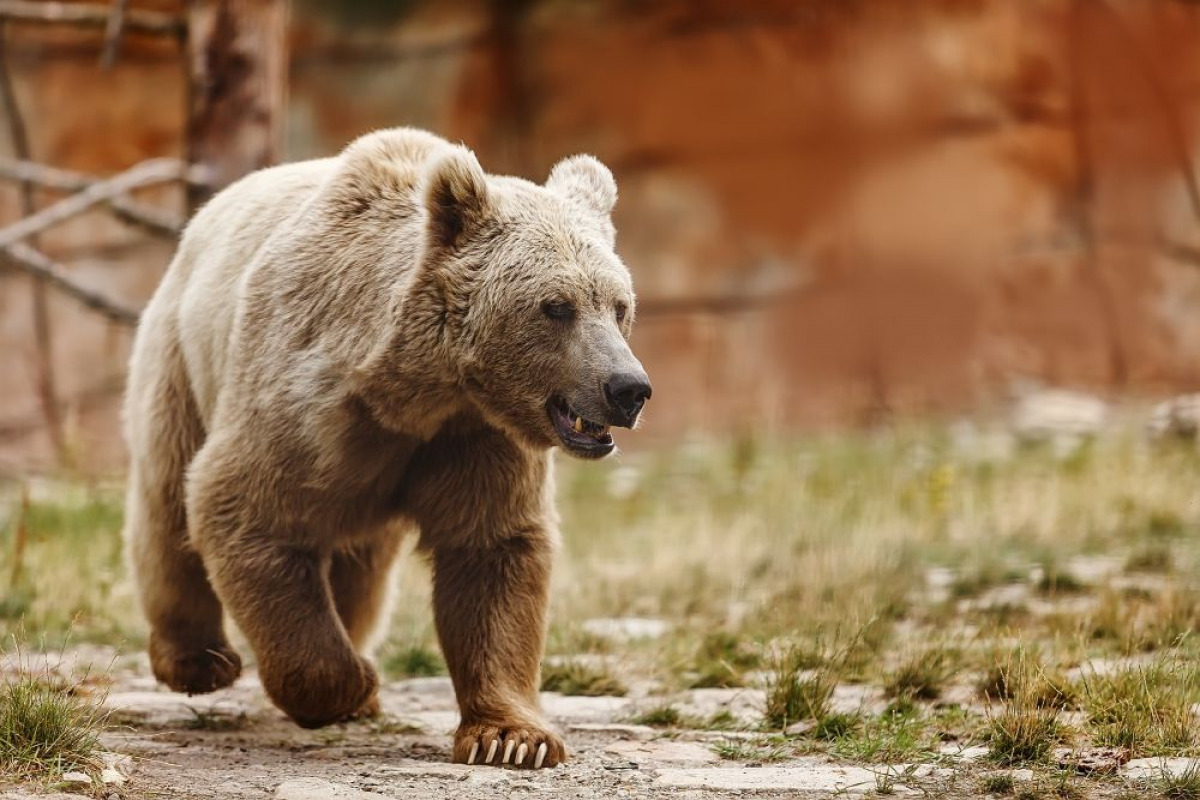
x=579 y=424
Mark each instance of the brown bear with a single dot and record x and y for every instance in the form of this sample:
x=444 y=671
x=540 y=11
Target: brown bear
x=347 y=349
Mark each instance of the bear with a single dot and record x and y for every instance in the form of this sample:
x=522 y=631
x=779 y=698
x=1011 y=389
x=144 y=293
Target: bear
x=350 y=350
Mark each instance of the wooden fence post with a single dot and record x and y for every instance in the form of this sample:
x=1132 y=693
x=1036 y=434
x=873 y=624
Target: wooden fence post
x=237 y=70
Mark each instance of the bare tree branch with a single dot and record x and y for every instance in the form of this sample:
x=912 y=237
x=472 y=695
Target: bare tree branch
x=112 y=33
x=147 y=173
x=36 y=263
x=89 y=15
x=39 y=304
x=162 y=223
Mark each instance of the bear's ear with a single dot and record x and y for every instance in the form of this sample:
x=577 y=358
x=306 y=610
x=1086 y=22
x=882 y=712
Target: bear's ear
x=456 y=196
x=586 y=180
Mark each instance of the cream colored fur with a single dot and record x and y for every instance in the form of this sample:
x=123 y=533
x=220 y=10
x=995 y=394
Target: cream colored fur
x=344 y=350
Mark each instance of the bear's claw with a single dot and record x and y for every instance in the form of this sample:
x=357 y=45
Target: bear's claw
x=522 y=747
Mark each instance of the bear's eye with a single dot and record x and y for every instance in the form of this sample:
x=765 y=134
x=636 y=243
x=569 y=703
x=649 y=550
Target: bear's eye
x=559 y=310
x=622 y=310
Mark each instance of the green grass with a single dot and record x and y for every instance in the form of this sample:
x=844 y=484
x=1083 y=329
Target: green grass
x=664 y=716
x=764 y=750
x=1021 y=733
x=1003 y=783
x=924 y=675
x=47 y=728
x=892 y=737
x=413 y=661
x=756 y=549
x=795 y=694
x=578 y=678
x=1145 y=709
x=1020 y=673
x=1182 y=786
x=62 y=569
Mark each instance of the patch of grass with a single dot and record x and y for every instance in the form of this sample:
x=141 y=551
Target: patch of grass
x=1183 y=786
x=765 y=750
x=887 y=739
x=1067 y=789
x=1145 y=709
x=1053 y=580
x=924 y=675
x=1154 y=557
x=581 y=679
x=1022 y=733
x=1002 y=783
x=723 y=720
x=988 y=574
x=389 y=725
x=1024 y=728
x=1015 y=674
x=664 y=716
x=61 y=560
x=836 y=726
x=414 y=661
x=720 y=661
x=887 y=777
x=46 y=729
x=795 y=694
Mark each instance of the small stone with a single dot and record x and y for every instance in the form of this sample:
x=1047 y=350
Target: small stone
x=1092 y=761
x=800 y=728
x=1061 y=417
x=1155 y=768
x=111 y=777
x=75 y=777
x=1178 y=418
x=959 y=753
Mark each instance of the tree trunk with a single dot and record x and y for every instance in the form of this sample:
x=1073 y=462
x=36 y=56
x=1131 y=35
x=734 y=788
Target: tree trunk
x=237 y=65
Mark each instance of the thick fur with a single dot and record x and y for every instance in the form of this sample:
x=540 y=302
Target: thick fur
x=344 y=350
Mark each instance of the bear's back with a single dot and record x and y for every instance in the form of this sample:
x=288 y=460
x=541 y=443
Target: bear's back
x=305 y=240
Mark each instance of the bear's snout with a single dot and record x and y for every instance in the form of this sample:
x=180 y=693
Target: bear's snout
x=626 y=393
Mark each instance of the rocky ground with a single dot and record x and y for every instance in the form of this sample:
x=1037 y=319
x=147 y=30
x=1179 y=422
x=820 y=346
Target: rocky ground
x=233 y=744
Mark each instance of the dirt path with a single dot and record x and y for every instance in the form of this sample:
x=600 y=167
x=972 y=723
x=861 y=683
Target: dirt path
x=233 y=744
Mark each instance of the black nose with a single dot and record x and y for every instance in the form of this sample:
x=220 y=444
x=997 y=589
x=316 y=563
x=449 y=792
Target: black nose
x=627 y=392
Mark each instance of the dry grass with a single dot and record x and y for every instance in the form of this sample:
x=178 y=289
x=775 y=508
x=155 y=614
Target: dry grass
x=48 y=726
x=579 y=678
x=936 y=566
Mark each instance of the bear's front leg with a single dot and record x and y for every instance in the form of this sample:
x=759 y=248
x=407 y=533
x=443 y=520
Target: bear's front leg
x=280 y=598
x=490 y=608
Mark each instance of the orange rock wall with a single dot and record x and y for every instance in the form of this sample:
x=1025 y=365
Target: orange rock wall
x=836 y=210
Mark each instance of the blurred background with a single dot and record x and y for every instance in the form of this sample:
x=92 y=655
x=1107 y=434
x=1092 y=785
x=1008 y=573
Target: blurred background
x=838 y=213
x=919 y=293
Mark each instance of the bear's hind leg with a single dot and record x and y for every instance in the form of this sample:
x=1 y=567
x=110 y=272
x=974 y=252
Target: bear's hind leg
x=358 y=577
x=279 y=595
x=188 y=648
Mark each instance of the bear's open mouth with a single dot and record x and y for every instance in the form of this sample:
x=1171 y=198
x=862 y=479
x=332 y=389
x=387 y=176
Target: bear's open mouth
x=579 y=435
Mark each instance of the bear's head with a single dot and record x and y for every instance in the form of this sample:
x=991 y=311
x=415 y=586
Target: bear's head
x=537 y=307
